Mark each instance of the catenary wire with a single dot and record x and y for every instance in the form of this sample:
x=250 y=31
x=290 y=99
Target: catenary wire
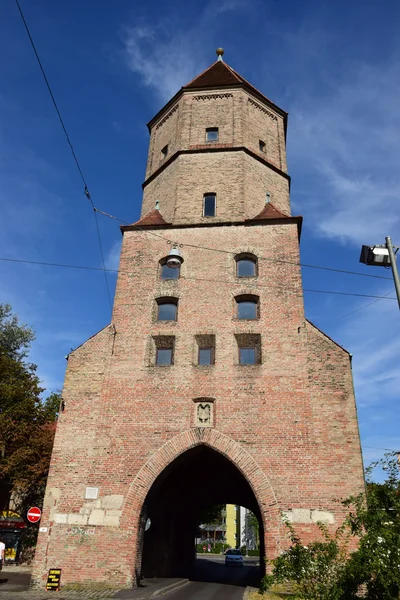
x=248 y=285
x=86 y=189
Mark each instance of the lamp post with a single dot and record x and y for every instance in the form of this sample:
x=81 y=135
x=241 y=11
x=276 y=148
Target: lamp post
x=383 y=256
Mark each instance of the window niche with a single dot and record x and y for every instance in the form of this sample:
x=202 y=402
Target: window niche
x=167 y=308
x=163 y=350
x=248 y=307
x=164 y=152
x=205 y=350
x=246 y=265
x=249 y=348
x=203 y=412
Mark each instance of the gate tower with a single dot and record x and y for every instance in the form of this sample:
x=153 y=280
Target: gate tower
x=209 y=385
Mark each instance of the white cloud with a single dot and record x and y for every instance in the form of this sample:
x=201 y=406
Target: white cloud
x=168 y=55
x=349 y=142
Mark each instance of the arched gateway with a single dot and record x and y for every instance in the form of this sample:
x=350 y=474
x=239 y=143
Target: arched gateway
x=261 y=499
x=209 y=385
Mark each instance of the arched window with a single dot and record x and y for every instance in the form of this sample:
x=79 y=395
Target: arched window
x=167 y=272
x=246 y=265
x=167 y=308
x=247 y=307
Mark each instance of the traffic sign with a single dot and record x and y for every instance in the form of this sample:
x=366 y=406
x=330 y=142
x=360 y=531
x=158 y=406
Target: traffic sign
x=34 y=514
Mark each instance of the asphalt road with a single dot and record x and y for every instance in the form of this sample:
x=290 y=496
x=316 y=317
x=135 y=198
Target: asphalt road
x=211 y=580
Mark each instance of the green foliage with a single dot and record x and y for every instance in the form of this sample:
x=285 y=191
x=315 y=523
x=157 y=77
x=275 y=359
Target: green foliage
x=27 y=423
x=315 y=569
x=324 y=570
x=15 y=339
x=376 y=564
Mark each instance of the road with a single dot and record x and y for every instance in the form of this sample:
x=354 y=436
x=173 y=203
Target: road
x=211 y=580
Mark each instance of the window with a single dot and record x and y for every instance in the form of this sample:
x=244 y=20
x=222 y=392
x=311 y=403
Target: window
x=167 y=309
x=164 y=356
x=246 y=265
x=205 y=349
x=212 y=134
x=163 y=348
x=247 y=356
x=205 y=356
x=164 y=151
x=261 y=145
x=209 y=205
x=249 y=348
x=247 y=307
x=168 y=272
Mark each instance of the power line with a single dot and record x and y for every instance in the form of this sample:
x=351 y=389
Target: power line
x=233 y=253
x=86 y=189
x=248 y=285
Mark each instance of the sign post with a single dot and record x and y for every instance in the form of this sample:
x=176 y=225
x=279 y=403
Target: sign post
x=34 y=514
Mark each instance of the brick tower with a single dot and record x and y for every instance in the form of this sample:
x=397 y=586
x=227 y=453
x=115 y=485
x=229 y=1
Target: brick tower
x=210 y=385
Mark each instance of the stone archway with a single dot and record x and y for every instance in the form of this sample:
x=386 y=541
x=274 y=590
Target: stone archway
x=174 y=448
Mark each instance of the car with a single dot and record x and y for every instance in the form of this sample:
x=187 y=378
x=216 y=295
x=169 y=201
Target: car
x=233 y=558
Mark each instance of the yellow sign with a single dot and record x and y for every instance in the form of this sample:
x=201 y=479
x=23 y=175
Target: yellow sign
x=53 y=580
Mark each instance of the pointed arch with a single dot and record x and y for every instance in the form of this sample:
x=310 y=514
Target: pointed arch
x=231 y=450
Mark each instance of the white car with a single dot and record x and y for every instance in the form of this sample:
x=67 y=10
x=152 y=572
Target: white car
x=233 y=558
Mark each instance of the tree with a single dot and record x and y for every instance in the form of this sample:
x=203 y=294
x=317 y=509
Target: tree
x=251 y=530
x=27 y=424
x=211 y=519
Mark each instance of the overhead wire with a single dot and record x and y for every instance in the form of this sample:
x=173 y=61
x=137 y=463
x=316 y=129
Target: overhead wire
x=208 y=280
x=86 y=189
x=96 y=210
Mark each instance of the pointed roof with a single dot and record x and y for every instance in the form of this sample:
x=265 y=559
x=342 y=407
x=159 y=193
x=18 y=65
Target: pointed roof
x=217 y=76
x=269 y=212
x=151 y=219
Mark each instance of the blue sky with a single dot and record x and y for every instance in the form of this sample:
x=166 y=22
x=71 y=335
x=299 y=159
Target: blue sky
x=333 y=65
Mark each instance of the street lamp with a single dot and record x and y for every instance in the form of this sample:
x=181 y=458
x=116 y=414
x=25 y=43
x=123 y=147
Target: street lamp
x=383 y=255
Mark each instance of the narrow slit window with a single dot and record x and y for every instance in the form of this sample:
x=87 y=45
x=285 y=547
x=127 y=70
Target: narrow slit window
x=212 y=134
x=261 y=145
x=209 y=205
x=164 y=151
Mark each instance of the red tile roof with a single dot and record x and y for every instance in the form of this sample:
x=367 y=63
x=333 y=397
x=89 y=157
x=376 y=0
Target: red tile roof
x=221 y=75
x=154 y=217
x=269 y=212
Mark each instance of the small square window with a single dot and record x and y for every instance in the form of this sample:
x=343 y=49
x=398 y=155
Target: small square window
x=212 y=134
x=169 y=273
x=205 y=345
x=164 y=356
x=166 y=312
x=261 y=145
x=247 y=310
x=247 y=356
x=249 y=348
x=164 y=151
x=205 y=356
x=209 y=205
x=246 y=267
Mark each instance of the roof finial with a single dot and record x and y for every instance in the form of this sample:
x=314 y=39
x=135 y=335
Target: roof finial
x=220 y=53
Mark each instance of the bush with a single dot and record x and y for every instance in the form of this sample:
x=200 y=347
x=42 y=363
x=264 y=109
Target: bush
x=315 y=570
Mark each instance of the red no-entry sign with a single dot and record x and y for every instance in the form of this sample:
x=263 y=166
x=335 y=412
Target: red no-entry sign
x=34 y=514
